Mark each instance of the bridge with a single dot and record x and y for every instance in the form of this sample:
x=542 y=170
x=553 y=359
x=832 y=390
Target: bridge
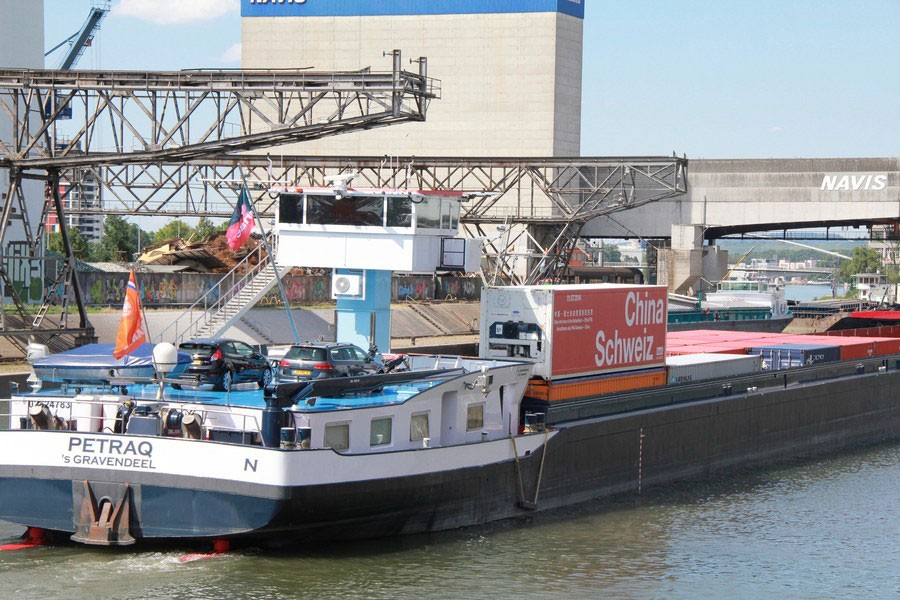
x=739 y=196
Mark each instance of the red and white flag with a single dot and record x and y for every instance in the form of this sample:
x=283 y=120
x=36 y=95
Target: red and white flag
x=131 y=327
x=242 y=221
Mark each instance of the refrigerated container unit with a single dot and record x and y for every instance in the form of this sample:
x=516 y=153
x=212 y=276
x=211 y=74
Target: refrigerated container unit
x=576 y=330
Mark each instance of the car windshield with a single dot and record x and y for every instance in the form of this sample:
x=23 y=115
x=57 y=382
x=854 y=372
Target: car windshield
x=305 y=353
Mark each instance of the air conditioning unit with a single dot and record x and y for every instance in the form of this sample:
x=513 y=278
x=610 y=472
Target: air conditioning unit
x=346 y=286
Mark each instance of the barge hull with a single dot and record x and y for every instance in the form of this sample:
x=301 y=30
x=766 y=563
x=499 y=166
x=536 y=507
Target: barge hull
x=606 y=450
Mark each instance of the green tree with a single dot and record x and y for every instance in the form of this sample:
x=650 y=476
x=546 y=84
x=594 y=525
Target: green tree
x=205 y=228
x=172 y=230
x=862 y=260
x=121 y=239
x=611 y=254
x=81 y=248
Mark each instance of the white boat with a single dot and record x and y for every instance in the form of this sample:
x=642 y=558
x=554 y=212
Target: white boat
x=745 y=293
x=414 y=450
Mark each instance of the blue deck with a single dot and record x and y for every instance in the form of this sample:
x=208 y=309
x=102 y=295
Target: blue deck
x=244 y=396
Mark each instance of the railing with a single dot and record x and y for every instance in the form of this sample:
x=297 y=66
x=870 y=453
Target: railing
x=100 y=416
x=209 y=305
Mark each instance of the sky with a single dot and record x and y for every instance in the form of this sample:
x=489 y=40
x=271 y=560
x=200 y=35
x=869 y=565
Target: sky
x=705 y=79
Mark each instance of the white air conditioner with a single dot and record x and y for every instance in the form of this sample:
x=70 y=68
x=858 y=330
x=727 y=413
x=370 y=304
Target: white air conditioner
x=346 y=286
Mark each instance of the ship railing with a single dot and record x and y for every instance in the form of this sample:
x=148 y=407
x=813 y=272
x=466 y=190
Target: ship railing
x=99 y=415
x=202 y=312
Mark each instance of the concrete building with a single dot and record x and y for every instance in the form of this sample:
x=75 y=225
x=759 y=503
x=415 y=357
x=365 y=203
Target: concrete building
x=21 y=46
x=510 y=72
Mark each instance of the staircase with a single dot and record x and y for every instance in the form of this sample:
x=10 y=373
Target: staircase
x=226 y=302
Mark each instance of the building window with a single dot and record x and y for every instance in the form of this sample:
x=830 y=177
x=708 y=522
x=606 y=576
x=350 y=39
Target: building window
x=380 y=432
x=475 y=417
x=418 y=427
x=337 y=436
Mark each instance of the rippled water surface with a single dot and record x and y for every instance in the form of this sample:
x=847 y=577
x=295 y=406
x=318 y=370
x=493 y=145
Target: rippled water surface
x=827 y=528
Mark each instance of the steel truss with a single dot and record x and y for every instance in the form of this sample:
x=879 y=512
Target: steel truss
x=537 y=202
x=63 y=120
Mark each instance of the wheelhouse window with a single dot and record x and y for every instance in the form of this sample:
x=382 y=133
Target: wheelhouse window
x=399 y=211
x=324 y=209
x=380 y=431
x=475 y=417
x=428 y=213
x=418 y=427
x=290 y=209
x=337 y=436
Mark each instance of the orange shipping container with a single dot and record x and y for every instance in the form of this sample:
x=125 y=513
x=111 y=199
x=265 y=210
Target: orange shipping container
x=592 y=386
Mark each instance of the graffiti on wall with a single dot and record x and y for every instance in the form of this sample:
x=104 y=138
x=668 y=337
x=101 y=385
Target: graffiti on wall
x=184 y=289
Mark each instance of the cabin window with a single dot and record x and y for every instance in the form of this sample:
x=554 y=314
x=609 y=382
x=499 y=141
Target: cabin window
x=418 y=427
x=290 y=208
x=342 y=210
x=337 y=436
x=399 y=212
x=475 y=416
x=428 y=213
x=380 y=432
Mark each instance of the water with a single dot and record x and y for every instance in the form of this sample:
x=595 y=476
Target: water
x=805 y=293
x=824 y=528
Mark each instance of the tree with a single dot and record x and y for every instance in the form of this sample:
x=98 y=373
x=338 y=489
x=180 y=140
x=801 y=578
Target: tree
x=205 y=228
x=120 y=239
x=862 y=260
x=611 y=254
x=172 y=230
x=81 y=248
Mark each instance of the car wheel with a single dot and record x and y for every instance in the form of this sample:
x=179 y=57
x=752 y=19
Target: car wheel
x=266 y=378
x=227 y=381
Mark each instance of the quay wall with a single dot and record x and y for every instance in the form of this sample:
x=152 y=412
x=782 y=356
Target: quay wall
x=183 y=289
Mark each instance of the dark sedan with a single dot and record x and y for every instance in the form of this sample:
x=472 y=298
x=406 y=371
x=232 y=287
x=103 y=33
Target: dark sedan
x=318 y=360
x=223 y=363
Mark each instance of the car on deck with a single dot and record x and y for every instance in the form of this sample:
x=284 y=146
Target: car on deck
x=223 y=363
x=321 y=360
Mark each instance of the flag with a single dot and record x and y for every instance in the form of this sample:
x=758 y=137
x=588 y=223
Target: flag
x=131 y=327
x=241 y=225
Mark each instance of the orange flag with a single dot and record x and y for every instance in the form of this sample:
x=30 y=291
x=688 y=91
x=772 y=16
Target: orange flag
x=131 y=327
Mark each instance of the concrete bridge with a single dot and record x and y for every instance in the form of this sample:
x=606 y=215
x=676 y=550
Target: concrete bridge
x=745 y=195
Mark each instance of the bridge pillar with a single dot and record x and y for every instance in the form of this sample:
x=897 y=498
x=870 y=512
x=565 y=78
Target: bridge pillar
x=688 y=266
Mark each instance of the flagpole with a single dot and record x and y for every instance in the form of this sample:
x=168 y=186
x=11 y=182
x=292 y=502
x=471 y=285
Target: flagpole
x=284 y=298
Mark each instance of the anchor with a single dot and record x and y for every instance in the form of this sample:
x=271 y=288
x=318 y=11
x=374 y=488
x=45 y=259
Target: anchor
x=104 y=522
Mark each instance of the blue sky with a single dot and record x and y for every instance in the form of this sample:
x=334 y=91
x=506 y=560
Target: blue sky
x=709 y=79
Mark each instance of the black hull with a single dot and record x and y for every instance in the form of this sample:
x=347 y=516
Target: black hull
x=663 y=438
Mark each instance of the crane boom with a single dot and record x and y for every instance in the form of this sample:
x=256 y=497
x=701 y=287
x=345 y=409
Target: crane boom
x=81 y=39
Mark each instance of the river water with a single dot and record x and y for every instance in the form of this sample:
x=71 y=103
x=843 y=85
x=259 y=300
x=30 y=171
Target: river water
x=821 y=528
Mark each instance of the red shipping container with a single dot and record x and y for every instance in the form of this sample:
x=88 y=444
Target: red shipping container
x=573 y=330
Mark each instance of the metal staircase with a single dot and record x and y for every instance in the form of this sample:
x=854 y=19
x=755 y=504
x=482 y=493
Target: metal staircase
x=226 y=302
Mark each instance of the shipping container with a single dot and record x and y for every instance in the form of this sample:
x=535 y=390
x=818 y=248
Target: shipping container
x=582 y=387
x=575 y=330
x=786 y=356
x=698 y=367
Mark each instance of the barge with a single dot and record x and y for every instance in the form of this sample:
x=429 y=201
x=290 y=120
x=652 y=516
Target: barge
x=437 y=443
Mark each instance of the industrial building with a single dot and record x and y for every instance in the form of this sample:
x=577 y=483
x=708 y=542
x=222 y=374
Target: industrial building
x=510 y=72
